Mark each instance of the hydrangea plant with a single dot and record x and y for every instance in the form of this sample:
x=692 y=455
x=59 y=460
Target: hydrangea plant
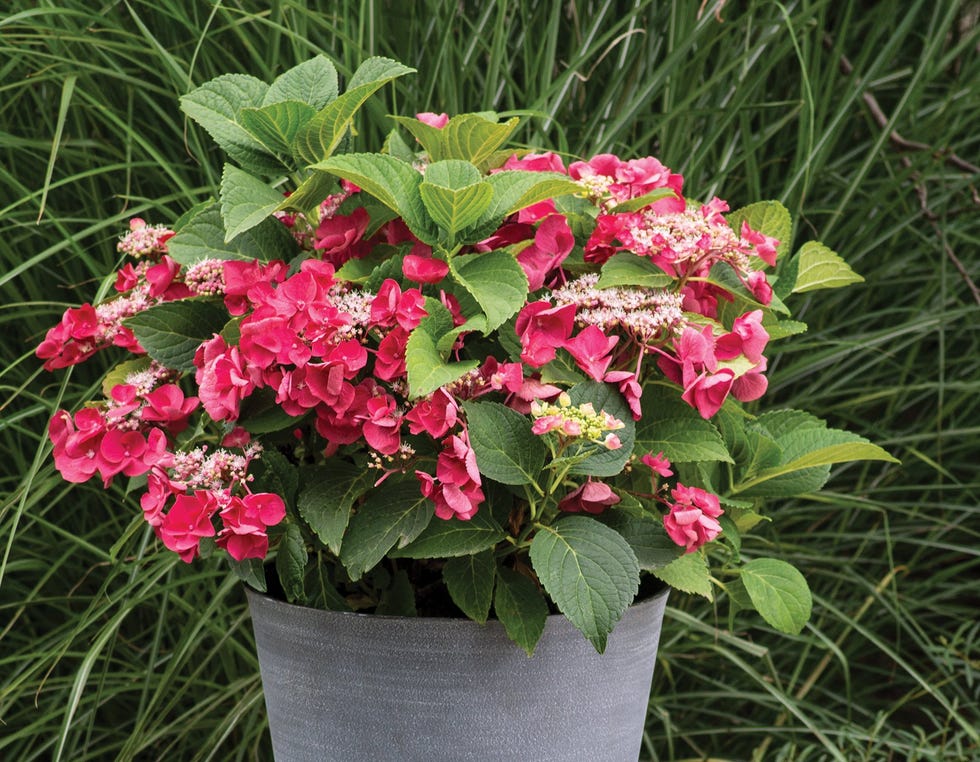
x=451 y=376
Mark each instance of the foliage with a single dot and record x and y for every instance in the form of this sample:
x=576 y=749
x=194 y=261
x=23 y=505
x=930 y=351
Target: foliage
x=762 y=105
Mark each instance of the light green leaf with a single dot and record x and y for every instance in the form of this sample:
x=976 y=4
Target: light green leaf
x=393 y=182
x=635 y=204
x=245 y=201
x=819 y=267
x=506 y=449
x=520 y=607
x=515 y=189
x=779 y=593
x=215 y=104
x=427 y=370
x=469 y=580
x=767 y=217
x=688 y=573
x=454 y=195
x=590 y=572
x=806 y=444
x=446 y=538
x=291 y=558
x=312 y=82
x=471 y=137
x=495 y=280
x=275 y=125
x=628 y=269
x=393 y=513
x=318 y=138
x=327 y=496
x=171 y=332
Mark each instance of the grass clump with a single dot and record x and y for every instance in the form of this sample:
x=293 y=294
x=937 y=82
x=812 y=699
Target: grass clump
x=860 y=120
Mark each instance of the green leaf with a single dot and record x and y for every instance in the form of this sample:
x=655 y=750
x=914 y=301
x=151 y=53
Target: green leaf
x=328 y=493
x=261 y=414
x=628 y=269
x=688 y=573
x=471 y=137
x=495 y=280
x=393 y=182
x=427 y=369
x=505 y=448
x=291 y=558
x=171 y=332
x=590 y=572
x=454 y=195
x=807 y=443
x=119 y=373
x=251 y=571
x=646 y=535
x=605 y=398
x=767 y=217
x=447 y=538
x=318 y=138
x=275 y=125
x=779 y=593
x=516 y=189
x=203 y=237
x=215 y=104
x=398 y=599
x=469 y=580
x=683 y=439
x=520 y=607
x=312 y=82
x=639 y=202
x=818 y=267
x=393 y=513
x=245 y=201
x=276 y=474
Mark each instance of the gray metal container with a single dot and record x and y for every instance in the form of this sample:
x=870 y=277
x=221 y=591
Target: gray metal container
x=350 y=687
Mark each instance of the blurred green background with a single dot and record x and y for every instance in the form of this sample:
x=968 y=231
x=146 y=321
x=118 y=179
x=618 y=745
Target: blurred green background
x=861 y=117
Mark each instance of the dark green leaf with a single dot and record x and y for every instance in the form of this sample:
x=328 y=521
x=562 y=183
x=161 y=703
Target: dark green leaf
x=520 y=607
x=171 y=332
x=291 y=559
x=469 y=580
x=394 y=513
x=605 y=398
x=445 y=538
x=590 y=572
x=506 y=449
x=328 y=493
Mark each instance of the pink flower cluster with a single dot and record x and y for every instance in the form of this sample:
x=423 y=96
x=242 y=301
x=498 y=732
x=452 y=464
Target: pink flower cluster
x=332 y=354
x=156 y=278
x=693 y=517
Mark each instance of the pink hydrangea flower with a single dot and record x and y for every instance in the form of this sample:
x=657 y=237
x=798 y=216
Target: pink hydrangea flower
x=693 y=517
x=591 y=497
x=433 y=120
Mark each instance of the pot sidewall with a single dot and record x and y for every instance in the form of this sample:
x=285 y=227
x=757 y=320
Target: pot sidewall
x=344 y=686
